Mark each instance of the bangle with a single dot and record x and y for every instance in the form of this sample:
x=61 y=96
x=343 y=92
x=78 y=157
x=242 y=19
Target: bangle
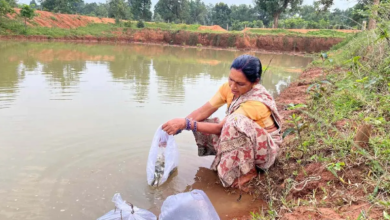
x=188 y=124
x=195 y=129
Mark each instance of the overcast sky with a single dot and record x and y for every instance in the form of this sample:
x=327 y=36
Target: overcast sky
x=341 y=4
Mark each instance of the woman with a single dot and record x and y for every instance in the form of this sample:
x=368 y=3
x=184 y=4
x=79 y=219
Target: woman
x=248 y=137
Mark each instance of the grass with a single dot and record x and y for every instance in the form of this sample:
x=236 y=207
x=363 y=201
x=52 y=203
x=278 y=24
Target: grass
x=355 y=91
x=14 y=27
x=319 y=33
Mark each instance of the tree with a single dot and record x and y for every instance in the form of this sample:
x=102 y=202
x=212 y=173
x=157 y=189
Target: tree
x=277 y=7
x=209 y=14
x=242 y=13
x=102 y=10
x=172 y=10
x=90 y=9
x=12 y=3
x=141 y=9
x=118 y=9
x=33 y=4
x=140 y=24
x=198 y=12
x=157 y=18
x=372 y=21
x=27 y=13
x=221 y=15
x=5 y=8
x=61 y=6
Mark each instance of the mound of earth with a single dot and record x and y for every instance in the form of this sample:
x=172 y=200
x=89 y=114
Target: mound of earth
x=211 y=28
x=68 y=21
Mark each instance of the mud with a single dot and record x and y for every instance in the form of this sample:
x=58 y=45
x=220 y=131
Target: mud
x=68 y=21
x=225 y=200
x=212 y=28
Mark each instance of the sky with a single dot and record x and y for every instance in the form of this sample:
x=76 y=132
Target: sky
x=341 y=4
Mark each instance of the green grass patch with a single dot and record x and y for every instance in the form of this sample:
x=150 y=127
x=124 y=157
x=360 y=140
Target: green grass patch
x=352 y=93
x=319 y=33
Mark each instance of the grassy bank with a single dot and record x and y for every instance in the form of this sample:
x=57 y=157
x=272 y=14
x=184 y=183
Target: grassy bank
x=335 y=157
x=16 y=27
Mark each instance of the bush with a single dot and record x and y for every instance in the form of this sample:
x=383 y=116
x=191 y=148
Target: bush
x=128 y=24
x=140 y=24
x=258 y=24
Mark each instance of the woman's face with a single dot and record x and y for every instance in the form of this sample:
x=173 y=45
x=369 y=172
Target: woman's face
x=238 y=83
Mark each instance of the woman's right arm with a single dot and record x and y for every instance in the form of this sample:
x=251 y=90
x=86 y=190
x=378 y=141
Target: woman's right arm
x=203 y=112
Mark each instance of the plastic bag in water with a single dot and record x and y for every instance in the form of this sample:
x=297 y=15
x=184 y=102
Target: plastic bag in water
x=163 y=158
x=126 y=211
x=194 y=205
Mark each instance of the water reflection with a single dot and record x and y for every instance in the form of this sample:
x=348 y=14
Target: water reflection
x=10 y=76
x=135 y=65
x=133 y=69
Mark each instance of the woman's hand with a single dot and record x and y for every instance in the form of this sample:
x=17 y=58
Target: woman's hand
x=174 y=125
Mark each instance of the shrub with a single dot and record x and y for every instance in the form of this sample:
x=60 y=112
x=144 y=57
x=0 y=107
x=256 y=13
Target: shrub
x=140 y=24
x=128 y=24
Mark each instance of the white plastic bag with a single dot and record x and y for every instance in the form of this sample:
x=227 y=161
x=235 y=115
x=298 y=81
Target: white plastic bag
x=125 y=211
x=194 y=205
x=163 y=158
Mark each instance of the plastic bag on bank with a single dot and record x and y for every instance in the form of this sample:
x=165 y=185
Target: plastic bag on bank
x=126 y=211
x=163 y=158
x=194 y=205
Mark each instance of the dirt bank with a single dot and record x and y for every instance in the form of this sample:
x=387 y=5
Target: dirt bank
x=49 y=19
x=219 y=40
x=329 y=200
x=216 y=37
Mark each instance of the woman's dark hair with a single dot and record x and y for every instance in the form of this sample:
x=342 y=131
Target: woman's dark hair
x=249 y=65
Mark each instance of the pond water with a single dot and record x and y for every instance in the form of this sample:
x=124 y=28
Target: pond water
x=77 y=121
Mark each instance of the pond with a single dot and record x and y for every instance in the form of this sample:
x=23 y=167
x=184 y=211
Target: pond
x=77 y=121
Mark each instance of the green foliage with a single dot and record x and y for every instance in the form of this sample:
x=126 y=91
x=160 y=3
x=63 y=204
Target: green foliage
x=5 y=8
x=172 y=11
x=243 y=12
x=128 y=24
x=197 y=12
x=277 y=7
x=27 y=13
x=157 y=18
x=221 y=15
x=141 y=9
x=140 y=24
x=119 y=9
x=53 y=18
x=60 y=6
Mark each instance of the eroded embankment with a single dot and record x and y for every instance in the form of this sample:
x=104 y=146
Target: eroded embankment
x=241 y=41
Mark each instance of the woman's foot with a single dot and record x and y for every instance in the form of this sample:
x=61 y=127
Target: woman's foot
x=242 y=180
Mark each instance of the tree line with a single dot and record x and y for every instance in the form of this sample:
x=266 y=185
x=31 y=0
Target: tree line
x=263 y=13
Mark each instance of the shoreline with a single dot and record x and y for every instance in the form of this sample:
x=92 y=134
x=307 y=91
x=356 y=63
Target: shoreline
x=276 y=44
x=21 y=38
